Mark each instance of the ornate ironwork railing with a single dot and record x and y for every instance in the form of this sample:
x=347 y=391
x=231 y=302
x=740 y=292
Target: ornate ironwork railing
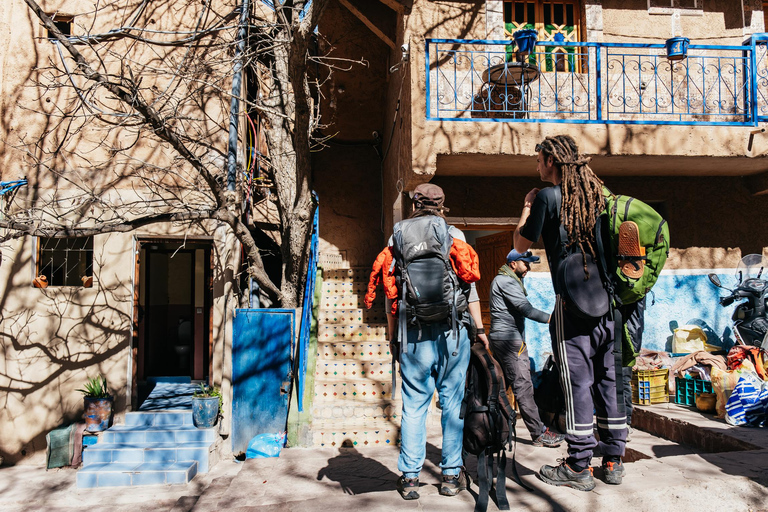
x=479 y=80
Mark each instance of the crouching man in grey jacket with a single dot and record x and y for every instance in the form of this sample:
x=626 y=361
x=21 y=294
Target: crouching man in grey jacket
x=509 y=309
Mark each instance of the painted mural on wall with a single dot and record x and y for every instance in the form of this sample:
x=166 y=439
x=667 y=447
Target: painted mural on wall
x=680 y=297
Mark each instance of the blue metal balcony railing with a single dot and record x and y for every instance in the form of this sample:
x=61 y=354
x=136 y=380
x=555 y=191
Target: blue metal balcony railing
x=608 y=83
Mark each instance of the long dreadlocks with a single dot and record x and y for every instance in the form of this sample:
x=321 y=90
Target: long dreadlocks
x=582 y=192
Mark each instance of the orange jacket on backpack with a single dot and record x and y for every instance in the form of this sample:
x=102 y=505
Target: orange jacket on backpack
x=464 y=261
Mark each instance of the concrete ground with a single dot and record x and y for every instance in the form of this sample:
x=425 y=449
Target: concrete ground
x=664 y=475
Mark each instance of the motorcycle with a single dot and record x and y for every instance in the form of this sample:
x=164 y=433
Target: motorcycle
x=750 y=325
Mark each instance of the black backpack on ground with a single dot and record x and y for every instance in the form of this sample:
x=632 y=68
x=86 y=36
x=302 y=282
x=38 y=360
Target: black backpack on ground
x=430 y=291
x=489 y=425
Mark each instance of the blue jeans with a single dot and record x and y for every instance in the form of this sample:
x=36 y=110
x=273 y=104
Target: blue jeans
x=429 y=364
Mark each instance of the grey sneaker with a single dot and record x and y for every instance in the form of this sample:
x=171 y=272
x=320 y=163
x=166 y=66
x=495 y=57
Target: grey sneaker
x=549 y=439
x=613 y=472
x=630 y=431
x=564 y=475
x=454 y=484
x=408 y=488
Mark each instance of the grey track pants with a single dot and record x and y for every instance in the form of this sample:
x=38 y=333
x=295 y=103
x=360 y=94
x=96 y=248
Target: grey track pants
x=517 y=373
x=584 y=352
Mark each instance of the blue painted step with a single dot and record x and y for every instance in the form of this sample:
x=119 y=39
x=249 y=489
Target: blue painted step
x=152 y=448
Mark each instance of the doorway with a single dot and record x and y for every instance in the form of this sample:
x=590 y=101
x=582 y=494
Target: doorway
x=492 y=251
x=173 y=310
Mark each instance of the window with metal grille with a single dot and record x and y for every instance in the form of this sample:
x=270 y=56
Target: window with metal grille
x=558 y=21
x=675 y=4
x=66 y=261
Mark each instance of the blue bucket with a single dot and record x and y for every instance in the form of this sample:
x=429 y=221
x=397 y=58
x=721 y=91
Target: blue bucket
x=525 y=39
x=677 y=48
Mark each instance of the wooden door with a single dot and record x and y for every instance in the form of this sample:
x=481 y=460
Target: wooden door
x=492 y=251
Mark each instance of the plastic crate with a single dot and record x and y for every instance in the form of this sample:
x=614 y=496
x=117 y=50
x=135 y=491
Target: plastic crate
x=687 y=389
x=650 y=386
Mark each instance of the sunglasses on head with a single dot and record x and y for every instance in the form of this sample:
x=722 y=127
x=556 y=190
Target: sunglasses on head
x=538 y=148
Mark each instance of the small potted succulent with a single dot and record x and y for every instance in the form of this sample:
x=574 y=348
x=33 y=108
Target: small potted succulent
x=206 y=406
x=98 y=404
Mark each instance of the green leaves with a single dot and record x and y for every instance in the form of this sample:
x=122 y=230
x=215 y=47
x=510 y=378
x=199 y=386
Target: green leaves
x=95 y=388
x=209 y=392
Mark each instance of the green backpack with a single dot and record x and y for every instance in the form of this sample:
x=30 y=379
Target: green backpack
x=635 y=274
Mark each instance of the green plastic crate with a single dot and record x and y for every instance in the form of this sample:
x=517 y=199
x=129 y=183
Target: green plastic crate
x=650 y=386
x=687 y=389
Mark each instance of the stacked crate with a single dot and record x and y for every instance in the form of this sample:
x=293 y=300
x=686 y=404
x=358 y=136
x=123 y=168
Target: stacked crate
x=353 y=403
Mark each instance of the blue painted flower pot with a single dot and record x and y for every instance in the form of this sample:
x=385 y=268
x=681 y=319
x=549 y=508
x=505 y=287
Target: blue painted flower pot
x=205 y=411
x=98 y=413
x=677 y=48
x=525 y=40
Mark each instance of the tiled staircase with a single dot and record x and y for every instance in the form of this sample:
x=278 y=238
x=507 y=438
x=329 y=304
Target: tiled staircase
x=152 y=448
x=353 y=402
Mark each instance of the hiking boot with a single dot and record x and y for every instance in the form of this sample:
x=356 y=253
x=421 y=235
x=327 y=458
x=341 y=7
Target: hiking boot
x=564 y=475
x=613 y=472
x=408 y=488
x=549 y=439
x=454 y=484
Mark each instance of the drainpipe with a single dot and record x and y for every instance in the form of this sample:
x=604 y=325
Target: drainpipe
x=237 y=81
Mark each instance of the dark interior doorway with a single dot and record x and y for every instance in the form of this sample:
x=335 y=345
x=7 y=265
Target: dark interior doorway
x=173 y=309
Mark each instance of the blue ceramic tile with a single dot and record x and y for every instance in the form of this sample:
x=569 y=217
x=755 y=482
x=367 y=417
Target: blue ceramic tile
x=163 y=455
x=114 y=479
x=149 y=478
x=133 y=455
x=87 y=479
x=94 y=456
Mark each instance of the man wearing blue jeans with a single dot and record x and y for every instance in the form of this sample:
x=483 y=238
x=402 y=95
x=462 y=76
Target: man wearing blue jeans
x=432 y=360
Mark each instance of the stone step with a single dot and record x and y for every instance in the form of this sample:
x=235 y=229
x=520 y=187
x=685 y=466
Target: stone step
x=367 y=350
x=353 y=332
x=344 y=411
x=348 y=288
x=372 y=317
x=361 y=434
x=150 y=452
x=362 y=391
x=127 y=474
x=158 y=418
x=132 y=434
x=353 y=370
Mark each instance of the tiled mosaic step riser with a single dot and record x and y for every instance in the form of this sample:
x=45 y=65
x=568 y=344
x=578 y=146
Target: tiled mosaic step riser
x=354 y=391
x=332 y=333
x=361 y=351
x=148 y=454
x=373 y=316
x=360 y=274
x=131 y=474
x=357 y=438
x=353 y=370
x=340 y=411
x=349 y=288
x=350 y=302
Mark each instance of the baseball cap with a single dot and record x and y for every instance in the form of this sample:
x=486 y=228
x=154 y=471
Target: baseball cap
x=526 y=256
x=428 y=194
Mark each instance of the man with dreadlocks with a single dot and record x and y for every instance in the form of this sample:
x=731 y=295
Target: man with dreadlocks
x=564 y=216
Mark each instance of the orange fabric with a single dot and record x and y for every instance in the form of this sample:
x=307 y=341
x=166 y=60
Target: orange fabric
x=380 y=273
x=739 y=353
x=465 y=261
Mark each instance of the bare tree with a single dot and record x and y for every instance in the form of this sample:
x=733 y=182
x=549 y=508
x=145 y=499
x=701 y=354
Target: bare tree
x=133 y=112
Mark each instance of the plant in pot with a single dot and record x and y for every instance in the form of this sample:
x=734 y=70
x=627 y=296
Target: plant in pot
x=98 y=404
x=206 y=406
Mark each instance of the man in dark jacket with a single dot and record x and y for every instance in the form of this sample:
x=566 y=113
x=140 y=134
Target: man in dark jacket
x=509 y=308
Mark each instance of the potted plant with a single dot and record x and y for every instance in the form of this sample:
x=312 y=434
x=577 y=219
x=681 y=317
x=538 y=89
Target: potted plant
x=98 y=404
x=206 y=406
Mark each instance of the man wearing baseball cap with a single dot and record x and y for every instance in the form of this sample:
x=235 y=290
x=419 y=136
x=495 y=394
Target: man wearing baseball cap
x=509 y=309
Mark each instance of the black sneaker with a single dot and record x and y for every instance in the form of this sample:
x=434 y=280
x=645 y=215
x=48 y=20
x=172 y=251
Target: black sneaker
x=454 y=484
x=549 y=439
x=408 y=488
x=613 y=472
x=564 y=475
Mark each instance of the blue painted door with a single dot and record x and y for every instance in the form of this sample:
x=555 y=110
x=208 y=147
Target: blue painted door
x=261 y=373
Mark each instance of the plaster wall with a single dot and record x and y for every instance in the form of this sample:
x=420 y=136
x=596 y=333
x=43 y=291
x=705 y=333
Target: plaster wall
x=53 y=339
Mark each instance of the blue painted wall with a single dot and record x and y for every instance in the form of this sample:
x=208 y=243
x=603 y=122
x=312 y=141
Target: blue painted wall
x=681 y=297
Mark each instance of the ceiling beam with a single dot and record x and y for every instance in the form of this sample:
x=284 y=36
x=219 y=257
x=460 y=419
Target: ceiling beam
x=400 y=6
x=757 y=184
x=368 y=23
